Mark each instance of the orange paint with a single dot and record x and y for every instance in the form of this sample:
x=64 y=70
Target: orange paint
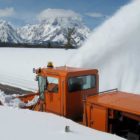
x=98 y=106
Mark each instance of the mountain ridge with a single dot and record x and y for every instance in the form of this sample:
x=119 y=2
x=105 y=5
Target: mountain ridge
x=8 y=33
x=51 y=30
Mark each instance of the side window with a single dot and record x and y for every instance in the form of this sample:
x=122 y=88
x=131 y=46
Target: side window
x=52 y=84
x=89 y=82
x=81 y=83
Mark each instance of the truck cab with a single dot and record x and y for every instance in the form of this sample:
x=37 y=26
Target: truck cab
x=64 y=88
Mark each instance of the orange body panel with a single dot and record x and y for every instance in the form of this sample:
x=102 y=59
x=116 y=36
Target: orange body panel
x=99 y=116
x=53 y=100
x=100 y=108
x=96 y=117
x=27 y=98
x=118 y=100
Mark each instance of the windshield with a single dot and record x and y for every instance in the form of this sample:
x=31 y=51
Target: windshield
x=42 y=84
x=81 y=83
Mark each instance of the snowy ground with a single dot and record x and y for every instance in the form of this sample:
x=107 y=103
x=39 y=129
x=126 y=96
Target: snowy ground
x=20 y=124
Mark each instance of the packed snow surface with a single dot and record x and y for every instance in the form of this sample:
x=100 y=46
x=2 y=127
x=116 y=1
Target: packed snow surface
x=114 y=49
x=17 y=124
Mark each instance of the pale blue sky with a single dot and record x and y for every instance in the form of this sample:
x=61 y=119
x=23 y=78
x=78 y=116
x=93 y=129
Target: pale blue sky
x=93 y=12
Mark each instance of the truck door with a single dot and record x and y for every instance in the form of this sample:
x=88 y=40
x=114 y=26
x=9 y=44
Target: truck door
x=52 y=95
x=78 y=86
x=98 y=118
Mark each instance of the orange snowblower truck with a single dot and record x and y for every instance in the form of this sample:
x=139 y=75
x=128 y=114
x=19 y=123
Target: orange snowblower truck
x=63 y=88
x=74 y=93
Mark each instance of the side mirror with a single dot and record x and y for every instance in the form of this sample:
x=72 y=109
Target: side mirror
x=36 y=78
x=34 y=70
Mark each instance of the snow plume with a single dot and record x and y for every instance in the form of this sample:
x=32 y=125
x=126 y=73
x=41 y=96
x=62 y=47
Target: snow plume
x=114 y=49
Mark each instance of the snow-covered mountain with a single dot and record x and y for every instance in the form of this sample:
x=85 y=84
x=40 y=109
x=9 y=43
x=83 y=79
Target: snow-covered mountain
x=55 y=30
x=8 y=33
x=52 y=30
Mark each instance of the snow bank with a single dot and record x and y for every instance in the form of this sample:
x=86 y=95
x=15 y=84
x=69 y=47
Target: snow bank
x=17 y=64
x=19 y=124
x=114 y=49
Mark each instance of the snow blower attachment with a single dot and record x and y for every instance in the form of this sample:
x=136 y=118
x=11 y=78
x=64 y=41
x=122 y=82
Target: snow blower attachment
x=73 y=93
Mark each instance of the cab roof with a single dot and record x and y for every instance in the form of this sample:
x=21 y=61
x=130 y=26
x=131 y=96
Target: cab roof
x=69 y=69
x=65 y=70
